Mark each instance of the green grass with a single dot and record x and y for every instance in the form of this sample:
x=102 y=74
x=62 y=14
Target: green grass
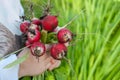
x=96 y=53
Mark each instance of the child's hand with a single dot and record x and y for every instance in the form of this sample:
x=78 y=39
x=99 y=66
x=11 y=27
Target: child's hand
x=31 y=66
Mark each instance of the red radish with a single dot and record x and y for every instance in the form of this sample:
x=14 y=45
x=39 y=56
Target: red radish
x=37 y=49
x=64 y=35
x=49 y=22
x=58 y=51
x=36 y=21
x=27 y=43
x=24 y=26
x=34 y=26
x=33 y=35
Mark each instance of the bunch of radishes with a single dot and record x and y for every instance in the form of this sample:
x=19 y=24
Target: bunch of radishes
x=36 y=30
x=32 y=29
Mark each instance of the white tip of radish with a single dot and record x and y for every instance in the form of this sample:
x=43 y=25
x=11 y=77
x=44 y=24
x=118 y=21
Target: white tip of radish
x=57 y=29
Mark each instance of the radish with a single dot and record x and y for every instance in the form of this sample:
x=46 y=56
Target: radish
x=64 y=35
x=36 y=21
x=49 y=23
x=27 y=43
x=33 y=35
x=34 y=26
x=24 y=26
x=37 y=49
x=58 y=51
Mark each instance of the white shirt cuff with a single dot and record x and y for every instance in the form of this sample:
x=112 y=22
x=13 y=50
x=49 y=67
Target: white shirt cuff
x=9 y=73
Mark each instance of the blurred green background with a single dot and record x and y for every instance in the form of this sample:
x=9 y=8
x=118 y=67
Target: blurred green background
x=96 y=52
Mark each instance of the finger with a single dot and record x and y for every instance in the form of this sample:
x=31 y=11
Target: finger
x=39 y=69
x=45 y=68
x=55 y=64
x=41 y=58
